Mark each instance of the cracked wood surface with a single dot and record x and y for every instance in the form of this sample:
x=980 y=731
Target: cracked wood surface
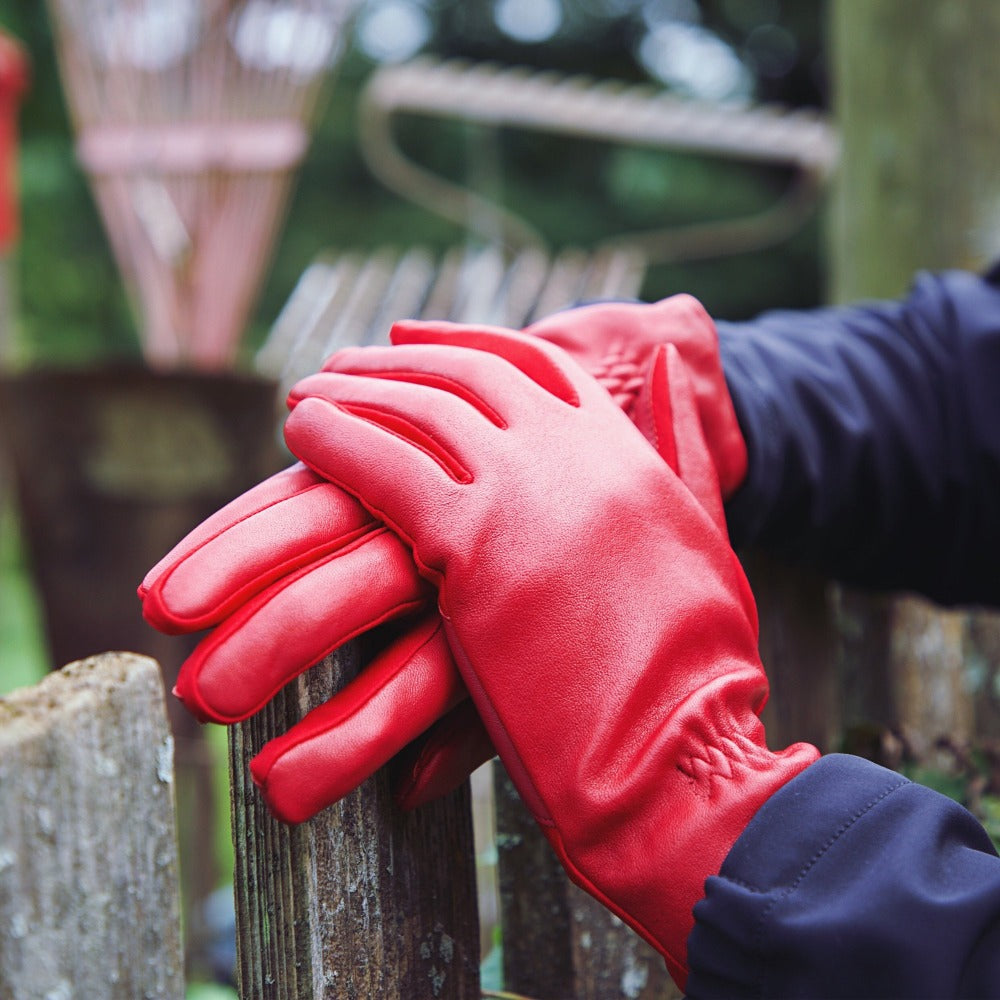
x=89 y=891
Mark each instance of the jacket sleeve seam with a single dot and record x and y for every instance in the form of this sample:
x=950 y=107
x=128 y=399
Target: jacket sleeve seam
x=807 y=868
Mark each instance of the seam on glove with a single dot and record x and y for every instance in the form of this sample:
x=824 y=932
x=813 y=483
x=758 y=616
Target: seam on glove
x=409 y=433
x=341 y=544
x=443 y=383
x=247 y=614
x=394 y=612
x=505 y=747
x=253 y=513
x=425 y=570
x=341 y=717
x=674 y=964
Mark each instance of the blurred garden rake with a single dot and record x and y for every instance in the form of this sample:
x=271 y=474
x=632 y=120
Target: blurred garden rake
x=352 y=297
x=191 y=117
x=800 y=140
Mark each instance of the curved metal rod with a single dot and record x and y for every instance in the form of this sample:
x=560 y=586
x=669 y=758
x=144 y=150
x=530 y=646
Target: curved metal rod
x=423 y=187
x=726 y=237
x=607 y=111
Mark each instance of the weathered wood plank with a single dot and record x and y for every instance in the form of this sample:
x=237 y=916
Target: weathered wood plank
x=362 y=901
x=89 y=892
x=558 y=941
x=798 y=645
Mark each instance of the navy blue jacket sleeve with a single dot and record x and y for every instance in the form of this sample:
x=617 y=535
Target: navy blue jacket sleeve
x=874 y=438
x=874 y=442
x=852 y=882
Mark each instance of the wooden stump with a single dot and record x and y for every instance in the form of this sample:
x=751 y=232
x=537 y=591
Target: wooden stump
x=89 y=901
x=362 y=901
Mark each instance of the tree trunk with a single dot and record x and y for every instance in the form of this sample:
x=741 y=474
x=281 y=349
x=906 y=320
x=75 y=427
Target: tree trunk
x=917 y=99
x=917 y=95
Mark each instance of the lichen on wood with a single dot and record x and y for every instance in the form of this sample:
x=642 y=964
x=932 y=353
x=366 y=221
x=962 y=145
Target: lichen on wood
x=89 y=901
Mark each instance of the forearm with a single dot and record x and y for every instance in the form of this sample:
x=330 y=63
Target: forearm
x=852 y=881
x=873 y=435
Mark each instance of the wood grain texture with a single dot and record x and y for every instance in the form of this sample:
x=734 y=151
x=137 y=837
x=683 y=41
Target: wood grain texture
x=88 y=858
x=798 y=643
x=362 y=901
x=559 y=942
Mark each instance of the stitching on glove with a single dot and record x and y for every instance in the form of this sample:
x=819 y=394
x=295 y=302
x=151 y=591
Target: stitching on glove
x=620 y=375
x=725 y=759
x=411 y=434
x=245 y=517
x=338 y=545
x=443 y=383
x=576 y=874
x=306 y=735
x=228 y=719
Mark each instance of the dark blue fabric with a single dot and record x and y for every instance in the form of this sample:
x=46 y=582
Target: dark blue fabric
x=874 y=442
x=852 y=882
x=874 y=438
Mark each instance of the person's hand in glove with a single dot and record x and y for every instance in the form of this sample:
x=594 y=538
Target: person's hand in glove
x=283 y=575
x=595 y=610
x=616 y=342
x=294 y=568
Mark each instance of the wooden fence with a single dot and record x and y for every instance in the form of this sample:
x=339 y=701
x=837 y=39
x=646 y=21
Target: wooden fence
x=363 y=901
x=89 y=900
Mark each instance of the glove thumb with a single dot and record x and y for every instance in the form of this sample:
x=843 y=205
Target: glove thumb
x=666 y=413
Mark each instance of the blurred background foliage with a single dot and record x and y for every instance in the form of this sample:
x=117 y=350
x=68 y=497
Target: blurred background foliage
x=72 y=307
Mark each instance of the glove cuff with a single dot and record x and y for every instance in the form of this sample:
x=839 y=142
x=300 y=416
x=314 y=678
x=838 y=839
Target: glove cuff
x=712 y=774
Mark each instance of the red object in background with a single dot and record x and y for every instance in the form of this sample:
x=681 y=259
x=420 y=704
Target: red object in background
x=13 y=83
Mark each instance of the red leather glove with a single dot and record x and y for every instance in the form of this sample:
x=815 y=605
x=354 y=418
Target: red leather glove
x=283 y=572
x=597 y=614
x=616 y=341
x=286 y=573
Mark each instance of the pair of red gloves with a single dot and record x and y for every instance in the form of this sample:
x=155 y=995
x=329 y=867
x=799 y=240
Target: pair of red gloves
x=593 y=626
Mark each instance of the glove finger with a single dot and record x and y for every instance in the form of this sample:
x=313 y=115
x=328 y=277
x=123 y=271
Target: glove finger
x=484 y=380
x=402 y=693
x=289 y=521
x=443 y=759
x=272 y=490
x=296 y=622
x=545 y=364
x=387 y=443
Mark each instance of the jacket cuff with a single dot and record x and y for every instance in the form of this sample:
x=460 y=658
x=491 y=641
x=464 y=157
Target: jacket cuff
x=851 y=881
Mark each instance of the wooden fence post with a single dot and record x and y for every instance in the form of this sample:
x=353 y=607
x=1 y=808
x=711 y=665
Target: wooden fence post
x=362 y=901
x=559 y=942
x=89 y=897
x=798 y=646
